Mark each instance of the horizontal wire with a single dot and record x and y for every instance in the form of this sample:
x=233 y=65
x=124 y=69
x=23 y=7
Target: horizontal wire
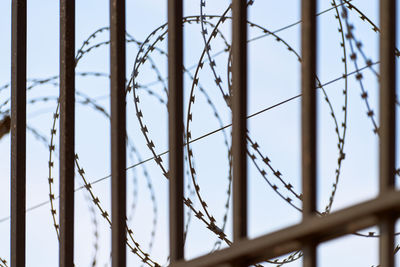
x=198 y=138
x=259 y=37
x=296 y=23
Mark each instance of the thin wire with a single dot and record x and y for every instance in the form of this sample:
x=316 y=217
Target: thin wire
x=296 y=23
x=259 y=37
x=198 y=138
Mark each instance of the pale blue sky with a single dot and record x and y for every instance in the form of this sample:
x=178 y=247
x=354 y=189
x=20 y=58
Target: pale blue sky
x=274 y=74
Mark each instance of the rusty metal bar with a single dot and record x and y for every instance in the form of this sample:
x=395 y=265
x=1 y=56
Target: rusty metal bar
x=18 y=133
x=67 y=131
x=387 y=129
x=239 y=111
x=118 y=132
x=290 y=239
x=308 y=122
x=175 y=124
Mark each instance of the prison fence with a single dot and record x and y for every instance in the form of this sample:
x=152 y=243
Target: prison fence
x=311 y=231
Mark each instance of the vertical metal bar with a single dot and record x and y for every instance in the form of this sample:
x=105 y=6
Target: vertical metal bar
x=67 y=131
x=18 y=133
x=175 y=122
x=118 y=132
x=239 y=126
x=308 y=123
x=387 y=130
x=239 y=110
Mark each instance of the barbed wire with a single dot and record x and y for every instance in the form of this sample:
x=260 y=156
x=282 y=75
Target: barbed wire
x=150 y=49
x=3 y=263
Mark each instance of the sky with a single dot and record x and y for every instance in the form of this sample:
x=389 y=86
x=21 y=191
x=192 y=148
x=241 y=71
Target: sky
x=274 y=76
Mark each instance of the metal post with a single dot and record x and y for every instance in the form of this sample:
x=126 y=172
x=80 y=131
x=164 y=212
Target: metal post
x=18 y=133
x=67 y=131
x=387 y=130
x=239 y=110
x=118 y=132
x=175 y=122
x=308 y=113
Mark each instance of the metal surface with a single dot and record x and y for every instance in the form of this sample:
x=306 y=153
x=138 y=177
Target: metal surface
x=175 y=122
x=18 y=133
x=118 y=132
x=320 y=229
x=308 y=120
x=67 y=131
x=308 y=107
x=387 y=129
x=239 y=112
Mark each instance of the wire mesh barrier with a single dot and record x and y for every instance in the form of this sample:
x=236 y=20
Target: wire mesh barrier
x=187 y=203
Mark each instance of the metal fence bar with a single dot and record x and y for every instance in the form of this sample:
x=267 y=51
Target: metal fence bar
x=308 y=122
x=320 y=229
x=387 y=130
x=118 y=132
x=175 y=124
x=239 y=110
x=18 y=133
x=67 y=131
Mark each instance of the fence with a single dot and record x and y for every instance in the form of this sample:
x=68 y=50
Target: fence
x=313 y=229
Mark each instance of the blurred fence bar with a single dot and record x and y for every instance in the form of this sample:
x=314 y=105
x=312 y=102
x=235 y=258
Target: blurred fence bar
x=292 y=238
x=308 y=120
x=118 y=132
x=387 y=129
x=175 y=122
x=67 y=131
x=18 y=132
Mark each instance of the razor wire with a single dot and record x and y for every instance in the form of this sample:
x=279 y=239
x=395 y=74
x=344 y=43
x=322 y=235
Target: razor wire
x=196 y=204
